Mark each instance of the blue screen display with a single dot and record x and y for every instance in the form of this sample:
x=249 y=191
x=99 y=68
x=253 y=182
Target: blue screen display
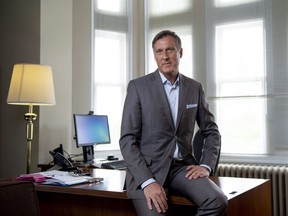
x=91 y=129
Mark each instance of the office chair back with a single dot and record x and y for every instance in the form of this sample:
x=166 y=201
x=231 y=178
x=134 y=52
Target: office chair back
x=198 y=143
x=18 y=199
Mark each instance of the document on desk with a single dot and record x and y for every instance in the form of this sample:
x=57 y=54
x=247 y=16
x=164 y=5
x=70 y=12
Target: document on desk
x=63 y=178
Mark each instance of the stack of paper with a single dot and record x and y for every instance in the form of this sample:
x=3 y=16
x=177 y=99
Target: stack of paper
x=56 y=177
x=63 y=178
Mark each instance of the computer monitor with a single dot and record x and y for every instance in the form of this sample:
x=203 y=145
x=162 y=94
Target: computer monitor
x=91 y=130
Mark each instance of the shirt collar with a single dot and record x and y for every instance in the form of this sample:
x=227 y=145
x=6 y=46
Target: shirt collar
x=165 y=80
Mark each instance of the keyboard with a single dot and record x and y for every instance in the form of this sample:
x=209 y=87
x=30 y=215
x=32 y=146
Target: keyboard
x=117 y=164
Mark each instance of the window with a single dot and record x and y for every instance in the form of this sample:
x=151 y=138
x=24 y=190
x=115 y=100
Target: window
x=165 y=14
x=162 y=8
x=244 y=73
x=240 y=85
x=111 y=63
x=239 y=56
x=236 y=48
x=111 y=6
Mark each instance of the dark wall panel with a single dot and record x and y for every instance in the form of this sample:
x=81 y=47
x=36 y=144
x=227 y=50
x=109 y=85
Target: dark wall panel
x=19 y=43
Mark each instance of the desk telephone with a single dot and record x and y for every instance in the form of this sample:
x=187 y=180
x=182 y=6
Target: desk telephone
x=66 y=165
x=60 y=160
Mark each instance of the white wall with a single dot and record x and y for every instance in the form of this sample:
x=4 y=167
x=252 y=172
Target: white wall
x=65 y=46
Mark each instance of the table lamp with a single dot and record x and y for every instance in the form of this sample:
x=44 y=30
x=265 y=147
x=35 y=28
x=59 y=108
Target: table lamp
x=31 y=85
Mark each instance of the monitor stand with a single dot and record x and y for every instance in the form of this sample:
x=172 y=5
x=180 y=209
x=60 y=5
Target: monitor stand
x=88 y=154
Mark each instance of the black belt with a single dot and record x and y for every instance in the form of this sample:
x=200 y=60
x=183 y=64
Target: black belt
x=178 y=162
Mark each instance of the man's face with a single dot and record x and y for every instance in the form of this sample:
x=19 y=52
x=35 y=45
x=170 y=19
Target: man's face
x=167 y=55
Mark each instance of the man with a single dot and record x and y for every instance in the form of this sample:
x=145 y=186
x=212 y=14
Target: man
x=157 y=129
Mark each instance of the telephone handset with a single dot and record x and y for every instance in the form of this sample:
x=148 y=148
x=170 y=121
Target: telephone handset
x=60 y=160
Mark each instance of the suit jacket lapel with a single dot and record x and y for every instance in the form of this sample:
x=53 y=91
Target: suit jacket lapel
x=183 y=93
x=159 y=94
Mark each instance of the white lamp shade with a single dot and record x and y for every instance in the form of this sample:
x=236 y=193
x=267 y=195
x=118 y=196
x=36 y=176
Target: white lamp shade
x=31 y=84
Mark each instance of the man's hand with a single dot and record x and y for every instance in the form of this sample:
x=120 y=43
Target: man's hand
x=155 y=193
x=195 y=172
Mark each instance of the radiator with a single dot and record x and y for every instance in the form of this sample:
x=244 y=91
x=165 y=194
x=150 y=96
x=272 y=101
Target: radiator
x=277 y=174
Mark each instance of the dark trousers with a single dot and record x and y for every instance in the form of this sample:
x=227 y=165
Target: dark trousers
x=208 y=197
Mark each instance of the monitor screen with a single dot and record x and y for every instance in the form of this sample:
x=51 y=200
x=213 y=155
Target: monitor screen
x=91 y=130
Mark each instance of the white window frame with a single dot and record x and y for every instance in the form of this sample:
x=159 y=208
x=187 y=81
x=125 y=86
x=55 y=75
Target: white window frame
x=111 y=30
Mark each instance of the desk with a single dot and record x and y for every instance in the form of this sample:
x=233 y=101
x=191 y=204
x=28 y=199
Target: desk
x=245 y=197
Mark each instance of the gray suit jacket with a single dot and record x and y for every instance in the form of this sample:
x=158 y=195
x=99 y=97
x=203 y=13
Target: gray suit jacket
x=148 y=135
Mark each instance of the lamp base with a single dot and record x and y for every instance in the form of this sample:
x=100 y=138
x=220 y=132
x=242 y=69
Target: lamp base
x=29 y=117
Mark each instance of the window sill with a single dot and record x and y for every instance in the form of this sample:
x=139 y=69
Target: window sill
x=103 y=154
x=275 y=159
x=280 y=159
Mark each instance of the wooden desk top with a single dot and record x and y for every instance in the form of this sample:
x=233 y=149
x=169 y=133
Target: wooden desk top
x=246 y=196
x=112 y=186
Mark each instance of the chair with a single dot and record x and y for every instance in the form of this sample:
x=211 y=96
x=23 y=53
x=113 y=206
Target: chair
x=18 y=198
x=198 y=143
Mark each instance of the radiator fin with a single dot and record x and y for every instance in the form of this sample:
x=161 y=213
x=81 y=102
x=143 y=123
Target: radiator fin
x=277 y=174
